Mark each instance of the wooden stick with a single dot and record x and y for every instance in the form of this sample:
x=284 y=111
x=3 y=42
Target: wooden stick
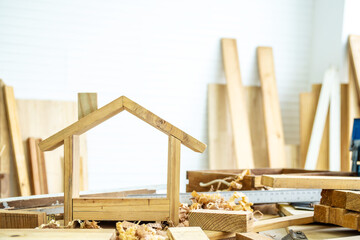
x=173 y=184
x=42 y=168
x=239 y=117
x=34 y=166
x=16 y=141
x=274 y=128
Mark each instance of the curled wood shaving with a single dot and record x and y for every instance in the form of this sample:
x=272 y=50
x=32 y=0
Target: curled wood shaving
x=71 y=225
x=235 y=184
x=132 y=231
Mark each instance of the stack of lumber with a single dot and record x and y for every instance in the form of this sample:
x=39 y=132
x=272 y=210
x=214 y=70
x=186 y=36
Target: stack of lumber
x=339 y=207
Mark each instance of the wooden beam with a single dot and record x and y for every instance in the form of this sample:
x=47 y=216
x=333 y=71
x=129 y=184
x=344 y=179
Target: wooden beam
x=35 y=178
x=21 y=219
x=345 y=128
x=16 y=142
x=282 y=222
x=251 y=236
x=220 y=220
x=186 y=233
x=324 y=182
x=273 y=121
x=42 y=168
x=87 y=103
x=321 y=213
x=173 y=178
x=5 y=146
x=71 y=173
x=238 y=112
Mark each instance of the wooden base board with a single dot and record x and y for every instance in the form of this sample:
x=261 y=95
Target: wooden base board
x=21 y=219
x=186 y=233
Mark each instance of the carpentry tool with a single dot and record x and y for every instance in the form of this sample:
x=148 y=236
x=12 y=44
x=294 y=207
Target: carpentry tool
x=355 y=146
x=298 y=235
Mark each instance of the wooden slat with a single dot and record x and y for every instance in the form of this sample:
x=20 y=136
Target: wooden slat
x=123 y=215
x=5 y=156
x=34 y=166
x=273 y=121
x=238 y=112
x=72 y=174
x=251 y=236
x=59 y=234
x=16 y=142
x=322 y=182
x=186 y=233
x=173 y=184
x=42 y=168
x=21 y=219
x=98 y=202
x=87 y=103
x=282 y=222
x=219 y=220
x=345 y=126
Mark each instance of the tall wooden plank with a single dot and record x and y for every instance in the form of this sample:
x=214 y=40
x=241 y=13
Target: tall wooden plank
x=71 y=172
x=173 y=183
x=345 y=126
x=16 y=142
x=354 y=52
x=273 y=122
x=42 y=168
x=238 y=112
x=5 y=146
x=34 y=166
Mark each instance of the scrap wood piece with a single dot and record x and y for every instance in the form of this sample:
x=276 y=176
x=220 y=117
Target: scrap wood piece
x=59 y=234
x=238 y=112
x=221 y=220
x=324 y=182
x=336 y=215
x=321 y=213
x=326 y=197
x=16 y=142
x=282 y=222
x=349 y=200
x=251 y=236
x=21 y=219
x=214 y=235
x=271 y=104
x=186 y=233
x=351 y=220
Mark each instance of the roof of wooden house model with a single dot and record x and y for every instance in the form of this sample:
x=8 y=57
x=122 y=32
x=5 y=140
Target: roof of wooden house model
x=118 y=105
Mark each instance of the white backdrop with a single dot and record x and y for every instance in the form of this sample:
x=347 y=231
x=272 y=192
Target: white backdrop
x=162 y=54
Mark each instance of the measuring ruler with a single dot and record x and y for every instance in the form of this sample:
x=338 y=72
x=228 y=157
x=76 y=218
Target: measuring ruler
x=255 y=196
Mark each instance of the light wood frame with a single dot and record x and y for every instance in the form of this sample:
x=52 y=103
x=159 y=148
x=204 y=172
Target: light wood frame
x=145 y=209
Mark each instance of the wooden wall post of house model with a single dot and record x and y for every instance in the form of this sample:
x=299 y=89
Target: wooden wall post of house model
x=145 y=209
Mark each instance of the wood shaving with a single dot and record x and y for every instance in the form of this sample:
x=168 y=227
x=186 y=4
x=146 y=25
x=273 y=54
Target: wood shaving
x=132 y=231
x=71 y=225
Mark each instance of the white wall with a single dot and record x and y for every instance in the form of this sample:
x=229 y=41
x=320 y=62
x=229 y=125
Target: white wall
x=159 y=53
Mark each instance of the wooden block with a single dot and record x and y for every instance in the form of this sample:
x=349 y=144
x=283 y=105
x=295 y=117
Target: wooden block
x=87 y=103
x=338 y=198
x=214 y=235
x=282 y=222
x=16 y=142
x=186 y=233
x=351 y=220
x=353 y=201
x=58 y=234
x=219 y=220
x=251 y=236
x=5 y=146
x=21 y=219
x=325 y=182
x=238 y=112
x=273 y=121
x=326 y=197
x=321 y=213
x=336 y=215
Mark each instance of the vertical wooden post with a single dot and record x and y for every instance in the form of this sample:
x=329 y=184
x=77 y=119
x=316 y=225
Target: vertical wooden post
x=173 y=183
x=72 y=175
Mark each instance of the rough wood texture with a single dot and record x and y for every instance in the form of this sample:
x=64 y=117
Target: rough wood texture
x=336 y=215
x=238 y=112
x=345 y=128
x=349 y=200
x=282 y=222
x=59 y=234
x=102 y=114
x=21 y=219
x=72 y=175
x=16 y=142
x=351 y=220
x=219 y=220
x=87 y=103
x=326 y=197
x=321 y=213
x=325 y=182
x=251 y=236
x=271 y=104
x=173 y=184
x=5 y=156
x=186 y=233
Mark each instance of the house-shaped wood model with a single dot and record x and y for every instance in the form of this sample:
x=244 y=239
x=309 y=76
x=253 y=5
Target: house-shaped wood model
x=146 y=209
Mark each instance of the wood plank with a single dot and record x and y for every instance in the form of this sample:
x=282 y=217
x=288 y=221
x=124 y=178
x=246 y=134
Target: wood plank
x=116 y=202
x=42 y=168
x=58 y=234
x=238 y=112
x=123 y=215
x=321 y=213
x=220 y=220
x=324 y=182
x=34 y=166
x=326 y=197
x=336 y=215
x=215 y=235
x=251 y=236
x=320 y=119
x=72 y=174
x=87 y=103
x=271 y=104
x=21 y=219
x=351 y=220
x=354 y=50
x=16 y=142
x=282 y=222
x=173 y=184
x=345 y=128
x=186 y=233
x=5 y=146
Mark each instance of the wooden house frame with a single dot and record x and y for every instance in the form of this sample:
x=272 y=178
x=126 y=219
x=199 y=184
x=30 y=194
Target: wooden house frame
x=146 y=209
